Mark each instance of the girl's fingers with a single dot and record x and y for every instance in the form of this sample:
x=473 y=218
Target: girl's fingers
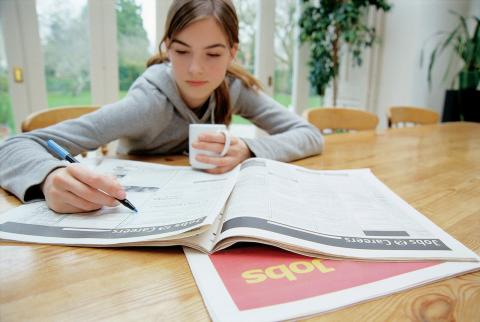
x=215 y=160
x=79 y=203
x=97 y=181
x=89 y=194
x=219 y=170
x=65 y=194
x=69 y=183
x=207 y=146
x=216 y=138
x=214 y=142
x=65 y=209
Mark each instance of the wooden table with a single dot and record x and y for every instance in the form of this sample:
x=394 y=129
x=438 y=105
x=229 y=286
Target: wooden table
x=434 y=168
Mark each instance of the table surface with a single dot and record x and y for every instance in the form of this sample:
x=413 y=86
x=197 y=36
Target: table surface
x=435 y=168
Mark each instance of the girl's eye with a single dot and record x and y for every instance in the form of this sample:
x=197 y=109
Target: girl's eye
x=181 y=52
x=213 y=55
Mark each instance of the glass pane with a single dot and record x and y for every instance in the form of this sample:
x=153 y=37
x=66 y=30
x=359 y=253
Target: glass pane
x=284 y=42
x=246 y=12
x=64 y=34
x=136 y=39
x=247 y=15
x=7 y=124
x=314 y=100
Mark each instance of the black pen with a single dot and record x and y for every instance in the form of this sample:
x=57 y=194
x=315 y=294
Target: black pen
x=63 y=154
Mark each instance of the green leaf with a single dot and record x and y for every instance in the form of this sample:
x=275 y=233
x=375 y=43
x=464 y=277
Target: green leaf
x=449 y=38
x=430 y=67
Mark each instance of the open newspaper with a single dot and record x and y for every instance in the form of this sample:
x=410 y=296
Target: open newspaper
x=323 y=213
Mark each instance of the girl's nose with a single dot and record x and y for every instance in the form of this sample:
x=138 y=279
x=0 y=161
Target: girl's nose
x=196 y=66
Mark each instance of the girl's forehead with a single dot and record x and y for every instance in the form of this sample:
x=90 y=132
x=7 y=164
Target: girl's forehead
x=204 y=31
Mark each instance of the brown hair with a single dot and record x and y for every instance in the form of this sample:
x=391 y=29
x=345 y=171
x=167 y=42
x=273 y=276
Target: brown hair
x=184 y=12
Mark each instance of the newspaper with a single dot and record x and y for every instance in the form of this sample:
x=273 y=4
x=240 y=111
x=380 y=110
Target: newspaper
x=260 y=283
x=330 y=213
x=173 y=202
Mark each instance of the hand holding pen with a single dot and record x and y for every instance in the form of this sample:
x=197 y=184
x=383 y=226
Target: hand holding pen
x=79 y=189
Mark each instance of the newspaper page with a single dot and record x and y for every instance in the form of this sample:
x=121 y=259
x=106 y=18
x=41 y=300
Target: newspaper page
x=172 y=201
x=261 y=283
x=345 y=213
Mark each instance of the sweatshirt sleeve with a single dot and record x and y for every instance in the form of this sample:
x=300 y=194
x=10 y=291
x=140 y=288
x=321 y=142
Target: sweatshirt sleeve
x=25 y=160
x=290 y=138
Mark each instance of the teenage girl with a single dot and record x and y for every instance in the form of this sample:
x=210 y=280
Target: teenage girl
x=193 y=79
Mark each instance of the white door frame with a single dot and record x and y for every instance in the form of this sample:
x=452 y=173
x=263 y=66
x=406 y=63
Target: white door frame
x=301 y=56
x=264 y=44
x=23 y=50
x=104 y=82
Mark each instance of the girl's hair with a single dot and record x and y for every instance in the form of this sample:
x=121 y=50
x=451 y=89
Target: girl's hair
x=184 y=12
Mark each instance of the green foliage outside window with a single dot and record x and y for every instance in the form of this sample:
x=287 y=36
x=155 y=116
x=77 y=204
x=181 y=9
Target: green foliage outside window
x=67 y=63
x=132 y=42
x=7 y=125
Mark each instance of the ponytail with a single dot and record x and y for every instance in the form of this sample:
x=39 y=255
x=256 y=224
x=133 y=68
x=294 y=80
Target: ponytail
x=158 y=58
x=223 y=105
x=247 y=79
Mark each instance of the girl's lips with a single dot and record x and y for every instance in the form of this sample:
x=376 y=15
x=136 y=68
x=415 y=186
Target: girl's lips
x=196 y=83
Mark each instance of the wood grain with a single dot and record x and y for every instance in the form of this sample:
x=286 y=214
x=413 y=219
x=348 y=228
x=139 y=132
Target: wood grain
x=436 y=168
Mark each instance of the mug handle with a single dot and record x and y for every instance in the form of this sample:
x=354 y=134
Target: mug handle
x=228 y=140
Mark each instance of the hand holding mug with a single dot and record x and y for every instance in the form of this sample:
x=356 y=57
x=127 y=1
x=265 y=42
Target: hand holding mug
x=213 y=148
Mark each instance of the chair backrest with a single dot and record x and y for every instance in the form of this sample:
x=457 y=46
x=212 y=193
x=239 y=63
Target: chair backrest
x=54 y=115
x=410 y=114
x=340 y=118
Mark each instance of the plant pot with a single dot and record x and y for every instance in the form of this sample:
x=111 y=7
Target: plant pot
x=461 y=105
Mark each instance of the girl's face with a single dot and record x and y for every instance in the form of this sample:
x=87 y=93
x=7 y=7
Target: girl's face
x=200 y=55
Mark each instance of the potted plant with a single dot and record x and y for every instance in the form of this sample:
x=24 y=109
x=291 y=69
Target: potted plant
x=460 y=103
x=328 y=25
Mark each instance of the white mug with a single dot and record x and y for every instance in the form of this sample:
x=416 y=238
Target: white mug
x=194 y=131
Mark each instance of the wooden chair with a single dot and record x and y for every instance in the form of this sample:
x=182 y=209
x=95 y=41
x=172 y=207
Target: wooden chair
x=55 y=115
x=407 y=114
x=339 y=119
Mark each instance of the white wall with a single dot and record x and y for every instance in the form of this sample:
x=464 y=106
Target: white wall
x=407 y=26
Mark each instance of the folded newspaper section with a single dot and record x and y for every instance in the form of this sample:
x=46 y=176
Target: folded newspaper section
x=339 y=213
x=260 y=283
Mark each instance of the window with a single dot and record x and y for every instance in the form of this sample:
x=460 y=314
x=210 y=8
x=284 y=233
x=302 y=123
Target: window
x=246 y=12
x=136 y=39
x=284 y=42
x=7 y=124
x=65 y=43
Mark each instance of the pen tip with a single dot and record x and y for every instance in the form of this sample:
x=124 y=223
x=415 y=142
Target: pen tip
x=128 y=204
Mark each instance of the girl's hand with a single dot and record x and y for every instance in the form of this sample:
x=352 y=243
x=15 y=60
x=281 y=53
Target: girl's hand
x=76 y=189
x=214 y=142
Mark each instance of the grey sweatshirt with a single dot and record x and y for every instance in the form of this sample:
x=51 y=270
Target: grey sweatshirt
x=151 y=119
